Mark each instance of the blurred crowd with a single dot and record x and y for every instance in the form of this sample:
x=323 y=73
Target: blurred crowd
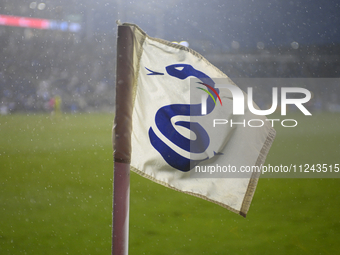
x=39 y=68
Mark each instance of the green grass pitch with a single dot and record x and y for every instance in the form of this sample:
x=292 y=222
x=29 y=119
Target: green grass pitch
x=56 y=195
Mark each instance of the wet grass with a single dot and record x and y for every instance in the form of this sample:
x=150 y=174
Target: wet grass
x=56 y=195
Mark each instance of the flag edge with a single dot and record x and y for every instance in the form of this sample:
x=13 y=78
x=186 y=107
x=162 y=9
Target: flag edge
x=255 y=176
x=176 y=46
x=141 y=173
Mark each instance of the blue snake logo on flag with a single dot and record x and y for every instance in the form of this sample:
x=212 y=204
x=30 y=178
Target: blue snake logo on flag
x=166 y=127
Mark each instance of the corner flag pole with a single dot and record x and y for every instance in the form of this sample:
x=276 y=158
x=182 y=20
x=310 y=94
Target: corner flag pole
x=122 y=141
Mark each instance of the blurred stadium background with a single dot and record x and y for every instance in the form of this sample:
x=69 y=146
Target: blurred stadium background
x=77 y=63
x=56 y=170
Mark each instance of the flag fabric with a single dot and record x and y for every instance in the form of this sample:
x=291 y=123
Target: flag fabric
x=175 y=103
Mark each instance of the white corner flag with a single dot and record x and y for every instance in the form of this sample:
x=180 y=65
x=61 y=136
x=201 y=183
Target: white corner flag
x=192 y=130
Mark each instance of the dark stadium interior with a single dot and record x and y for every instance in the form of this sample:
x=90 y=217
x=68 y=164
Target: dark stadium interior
x=245 y=40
